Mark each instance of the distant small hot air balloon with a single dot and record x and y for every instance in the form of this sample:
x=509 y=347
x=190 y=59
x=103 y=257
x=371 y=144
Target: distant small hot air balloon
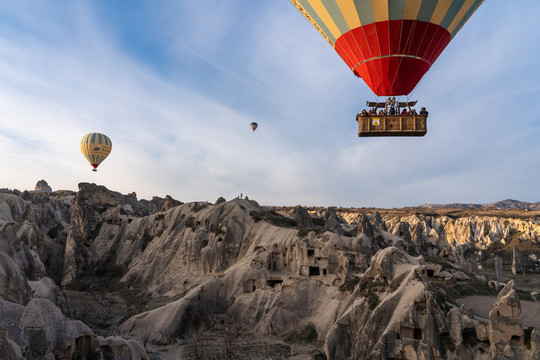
x=253 y=126
x=95 y=148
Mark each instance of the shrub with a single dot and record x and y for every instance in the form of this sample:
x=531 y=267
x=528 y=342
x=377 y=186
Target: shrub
x=349 y=284
x=305 y=335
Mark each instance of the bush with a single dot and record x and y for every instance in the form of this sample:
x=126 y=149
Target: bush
x=349 y=284
x=373 y=300
x=305 y=335
x=397 y=282
x=319 y=356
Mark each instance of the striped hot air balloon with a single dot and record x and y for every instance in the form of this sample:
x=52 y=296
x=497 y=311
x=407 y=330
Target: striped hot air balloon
x=95 y=147
x=390 y=44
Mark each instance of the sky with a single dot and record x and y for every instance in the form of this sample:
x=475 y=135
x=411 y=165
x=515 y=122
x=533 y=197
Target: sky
x=175 y=85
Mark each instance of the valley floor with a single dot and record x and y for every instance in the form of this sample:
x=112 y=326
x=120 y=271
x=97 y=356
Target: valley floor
x=481 y=305
x=214 y=347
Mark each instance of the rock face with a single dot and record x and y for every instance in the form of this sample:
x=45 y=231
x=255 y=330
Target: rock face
x=34 y=229
x=364 y=282
x=516 y=262
x=505 y=323
x=116 y=347
x=7 y=350
x=42 y=186
x=302 y=217
x=332 y=222
x=108 y=229
x=169 y=203
x=40 y=328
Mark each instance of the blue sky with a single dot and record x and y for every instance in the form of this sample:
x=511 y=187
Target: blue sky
x=175 y=85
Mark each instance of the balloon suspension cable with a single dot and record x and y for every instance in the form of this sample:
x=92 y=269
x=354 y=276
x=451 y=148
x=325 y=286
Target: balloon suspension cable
x=407 y=44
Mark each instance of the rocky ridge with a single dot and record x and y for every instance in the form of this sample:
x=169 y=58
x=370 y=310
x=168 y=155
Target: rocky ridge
x=201 y=268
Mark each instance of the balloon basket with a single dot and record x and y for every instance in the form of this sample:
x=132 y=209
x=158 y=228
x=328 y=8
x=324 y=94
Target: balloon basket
x=389 y=125
x=94 y=170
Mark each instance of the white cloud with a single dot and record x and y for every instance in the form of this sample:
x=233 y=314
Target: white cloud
x=181 y=127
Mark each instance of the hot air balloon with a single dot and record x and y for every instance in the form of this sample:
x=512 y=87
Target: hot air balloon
x=390 y=44
x=95 y=148
x=254 y=126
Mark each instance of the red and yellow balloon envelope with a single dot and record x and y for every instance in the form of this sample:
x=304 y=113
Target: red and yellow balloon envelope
x=95 y=148
x=390 y=44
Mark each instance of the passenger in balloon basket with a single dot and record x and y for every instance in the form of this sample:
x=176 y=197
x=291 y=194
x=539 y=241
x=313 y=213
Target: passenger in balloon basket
x=392 y=110
x=381 y=113
x=404 y=112
x=373 y=112
x=423 y=111
x=364 y=113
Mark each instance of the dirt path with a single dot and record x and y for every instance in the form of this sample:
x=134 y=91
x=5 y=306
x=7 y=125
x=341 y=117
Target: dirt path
x=482 y=305
x=259 y=348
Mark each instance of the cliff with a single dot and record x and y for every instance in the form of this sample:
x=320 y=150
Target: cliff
x=370 y=284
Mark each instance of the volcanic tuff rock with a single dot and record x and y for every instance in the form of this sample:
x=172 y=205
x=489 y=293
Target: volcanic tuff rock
x=516 y=261
x=40 y=326
x=7 y=347
x=332 y=222
x=302 y=217
x=220 y=200
x=116 y=347
x=34 y=230
x=42 y=186
x=504 y=204
x=505 y=323
x=349 y=276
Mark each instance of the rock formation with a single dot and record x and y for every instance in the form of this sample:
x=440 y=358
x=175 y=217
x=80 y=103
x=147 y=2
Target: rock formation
x=332 y=222
x=42 y=186
x=302 y=217
x=371 y=286
x=220 y=200
x=505 y=323
x=7 y=348
x=516 y=262
x=39 y=327
x=116 y=347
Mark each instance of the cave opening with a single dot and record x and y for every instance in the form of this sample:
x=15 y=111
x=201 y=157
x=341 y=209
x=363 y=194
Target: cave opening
x=273 y=283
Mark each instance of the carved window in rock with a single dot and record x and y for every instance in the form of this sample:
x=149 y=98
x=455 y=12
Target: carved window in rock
x=411 y=333
x=249 y=286
x=273 y=283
